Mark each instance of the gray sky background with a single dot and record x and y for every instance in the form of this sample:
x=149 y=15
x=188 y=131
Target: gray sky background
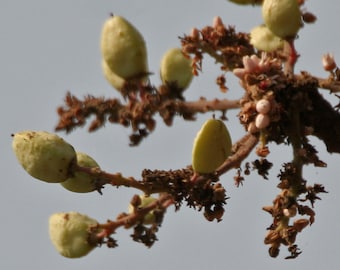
x=50 y=47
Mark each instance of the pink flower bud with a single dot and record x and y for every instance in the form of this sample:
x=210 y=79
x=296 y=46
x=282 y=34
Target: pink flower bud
x=217 y=22
x=195 y=34
x=262 y=121
x=328 y=62
x=249 y=64
x=263 y=106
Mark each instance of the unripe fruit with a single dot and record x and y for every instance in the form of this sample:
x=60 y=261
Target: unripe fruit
x=282 y=17
x=82 y=182
x=44 y=155
x=263 y=39
x=176 y=68
x=123 y=48
x=149 y=218
x=116 y=81
x=211 y=147
x=69 y=233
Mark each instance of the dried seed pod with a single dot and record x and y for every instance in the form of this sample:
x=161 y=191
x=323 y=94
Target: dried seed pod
x=263 y=39
x=81 y=182
x=123 y=48
x=176 y=68
x=282 y=17
x=149 y=218
x=44 y=155
x=69 y=233
x=212 y=146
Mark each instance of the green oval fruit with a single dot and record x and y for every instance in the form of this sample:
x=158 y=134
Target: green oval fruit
x=123 y=48
x=69 y=233
x=116 y=81
x=282 y=17
x=176 y=69
x=212 y=146
x=145 y=201
x=82 y=182
x=44 y=155
x=263 y=39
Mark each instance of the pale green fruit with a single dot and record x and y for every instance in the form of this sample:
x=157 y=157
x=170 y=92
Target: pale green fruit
x=69 y=233
x=44 y=155
x=282 y=17
x=212 y=146
x=263 y=39
x=116 y=81
x=123 y=48
x=81 y=182
x=145 y=201
x=176 y=68
x=247 y=2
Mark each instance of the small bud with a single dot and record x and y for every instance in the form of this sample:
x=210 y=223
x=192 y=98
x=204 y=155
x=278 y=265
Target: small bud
x=252 y=128
x=217 y=22
x=271 y=237
x=212 y=146
x=176 y=69
x=282 y=17
x=262 y=121
x=44 y=155
x=308 y=17
x=239 y=72
x=328 y=62
x=82 y=182
x=69 y=233
x=195 y=34
x=123 y=48
x=300 y=224
x=290 y=212
x=149 y=218
x=263 y=106
x=249 y=64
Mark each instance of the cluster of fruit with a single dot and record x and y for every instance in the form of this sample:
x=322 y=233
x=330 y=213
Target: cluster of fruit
x=125 y=58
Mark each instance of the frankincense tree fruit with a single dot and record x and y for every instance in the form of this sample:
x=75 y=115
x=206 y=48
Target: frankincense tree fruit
x=44 y=155
x=282 y=17
x=123 y=48
x=116 y=81
x=212 y=146
x=263 y=39
x=176 y=68
x=81 y=182
x=69 y=233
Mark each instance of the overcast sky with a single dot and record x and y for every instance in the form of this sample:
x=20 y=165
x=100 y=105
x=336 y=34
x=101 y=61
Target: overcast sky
x=50 y=47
